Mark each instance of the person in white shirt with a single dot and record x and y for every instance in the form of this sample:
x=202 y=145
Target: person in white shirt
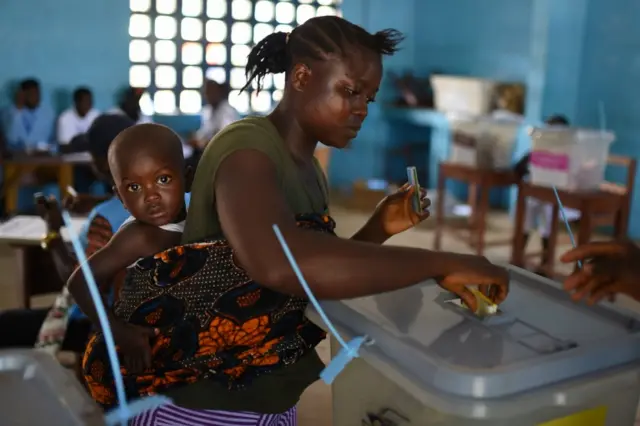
x=217 y=114
x=77 y=119
x=130 y=106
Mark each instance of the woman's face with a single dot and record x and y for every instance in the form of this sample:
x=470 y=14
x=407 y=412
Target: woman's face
x=334 y=99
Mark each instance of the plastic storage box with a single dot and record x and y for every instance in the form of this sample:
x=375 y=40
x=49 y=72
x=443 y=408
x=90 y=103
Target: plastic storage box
x=494 y=142
x=36 y=390
x=464 y=95
x=572 y=159
x=543 y=361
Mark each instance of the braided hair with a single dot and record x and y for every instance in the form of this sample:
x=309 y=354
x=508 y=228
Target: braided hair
x=318 y=39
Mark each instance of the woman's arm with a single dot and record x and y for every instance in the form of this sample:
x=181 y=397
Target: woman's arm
x=249 y=201
x=371 y=233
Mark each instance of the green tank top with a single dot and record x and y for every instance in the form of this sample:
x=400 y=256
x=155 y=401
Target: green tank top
x=271 y=393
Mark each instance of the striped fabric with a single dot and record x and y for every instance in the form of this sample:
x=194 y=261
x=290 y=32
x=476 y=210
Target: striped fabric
x=172 y=415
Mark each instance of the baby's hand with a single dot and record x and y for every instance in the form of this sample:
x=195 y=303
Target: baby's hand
x=134 y=344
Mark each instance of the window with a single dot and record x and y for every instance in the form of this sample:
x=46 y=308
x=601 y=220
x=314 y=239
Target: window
x=177 y=44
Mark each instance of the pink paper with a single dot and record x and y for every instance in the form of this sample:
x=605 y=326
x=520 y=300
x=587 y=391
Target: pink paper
x=550 y=160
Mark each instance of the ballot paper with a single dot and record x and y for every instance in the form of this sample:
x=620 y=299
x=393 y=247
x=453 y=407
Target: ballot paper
x=30 y=230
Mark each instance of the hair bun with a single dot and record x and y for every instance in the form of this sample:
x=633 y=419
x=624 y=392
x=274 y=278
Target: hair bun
x=269 y=56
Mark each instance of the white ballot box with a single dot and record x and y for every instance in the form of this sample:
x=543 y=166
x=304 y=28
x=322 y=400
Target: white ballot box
x=36 y=390
x=543 y=360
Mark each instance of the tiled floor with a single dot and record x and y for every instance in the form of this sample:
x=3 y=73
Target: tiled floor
x=315 y=406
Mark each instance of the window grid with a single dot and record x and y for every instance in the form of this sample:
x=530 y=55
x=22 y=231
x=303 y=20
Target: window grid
x=147 y=33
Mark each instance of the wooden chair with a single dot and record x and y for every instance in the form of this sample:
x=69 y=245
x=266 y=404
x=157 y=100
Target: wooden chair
x=480 y=181
x=617 y=196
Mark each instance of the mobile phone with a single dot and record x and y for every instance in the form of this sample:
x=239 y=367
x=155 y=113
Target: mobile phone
x=412 y=176
x=39 y=198
x=71 y=191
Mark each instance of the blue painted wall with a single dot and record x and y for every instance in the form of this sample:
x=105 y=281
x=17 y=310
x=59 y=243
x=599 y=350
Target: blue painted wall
x=465 y=37
x=572 y=54
x=365 y=158
x=468 y=37
x=65 y=43
x=610 y=72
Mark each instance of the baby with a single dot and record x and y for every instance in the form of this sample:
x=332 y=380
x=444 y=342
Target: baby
x=148 y=170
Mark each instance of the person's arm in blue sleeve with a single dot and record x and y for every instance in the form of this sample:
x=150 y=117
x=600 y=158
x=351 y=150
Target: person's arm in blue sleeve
x=16 y=135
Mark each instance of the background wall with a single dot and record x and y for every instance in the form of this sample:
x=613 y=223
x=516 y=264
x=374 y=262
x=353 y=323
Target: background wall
x=572 y=54
x=65 y=43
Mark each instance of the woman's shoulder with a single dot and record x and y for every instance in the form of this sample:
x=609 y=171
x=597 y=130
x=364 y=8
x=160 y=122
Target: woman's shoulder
x=254 y=133
x=252 y=127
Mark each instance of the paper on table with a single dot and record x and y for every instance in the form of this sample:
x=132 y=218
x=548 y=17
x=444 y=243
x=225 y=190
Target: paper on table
x=32 y=229
x=77 y=157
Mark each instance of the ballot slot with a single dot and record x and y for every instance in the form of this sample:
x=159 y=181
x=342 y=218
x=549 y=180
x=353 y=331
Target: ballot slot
x=512 y=328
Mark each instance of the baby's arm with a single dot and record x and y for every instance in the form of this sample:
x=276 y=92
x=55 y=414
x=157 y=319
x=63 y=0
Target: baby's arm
x=125 y=247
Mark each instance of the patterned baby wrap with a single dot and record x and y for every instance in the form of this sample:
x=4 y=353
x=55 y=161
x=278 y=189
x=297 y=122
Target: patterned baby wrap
x=215 y=322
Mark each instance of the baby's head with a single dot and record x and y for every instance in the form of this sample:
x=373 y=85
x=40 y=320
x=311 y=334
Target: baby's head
x=148 y=170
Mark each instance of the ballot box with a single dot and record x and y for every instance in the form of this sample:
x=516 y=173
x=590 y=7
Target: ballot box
x=36 y=390
x=541 y=360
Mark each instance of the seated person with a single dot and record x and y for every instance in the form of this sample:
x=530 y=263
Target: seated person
x=30 y=123
x=3 y=139
x=76 y=120
x=64 y=327
x=538 y=214
x=130 y=106
x=216 y=115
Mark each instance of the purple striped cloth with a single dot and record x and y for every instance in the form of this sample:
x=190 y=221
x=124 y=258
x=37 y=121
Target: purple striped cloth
x=172 y=415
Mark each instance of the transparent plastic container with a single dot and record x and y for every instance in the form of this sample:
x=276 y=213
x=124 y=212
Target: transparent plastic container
x=466 y=95
x=542 y=359
x=571 y=159
x=36 y=390
x=494 y=142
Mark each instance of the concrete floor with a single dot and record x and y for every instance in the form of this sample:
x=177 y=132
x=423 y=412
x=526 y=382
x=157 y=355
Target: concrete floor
x=315 y=405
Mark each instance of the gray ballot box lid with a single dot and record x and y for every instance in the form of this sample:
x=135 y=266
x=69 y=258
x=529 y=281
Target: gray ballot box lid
x=540 y=337
x=37 y=390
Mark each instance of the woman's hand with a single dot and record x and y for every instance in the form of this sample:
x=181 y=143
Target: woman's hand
x=395 y=214
x=469 y=270
x=609 y=268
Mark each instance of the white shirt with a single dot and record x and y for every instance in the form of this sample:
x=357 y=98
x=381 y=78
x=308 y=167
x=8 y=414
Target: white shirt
x=214 y=120
x=70 y=124
x=141 y=120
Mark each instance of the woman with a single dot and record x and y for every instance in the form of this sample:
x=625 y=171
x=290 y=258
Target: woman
x=233 y=345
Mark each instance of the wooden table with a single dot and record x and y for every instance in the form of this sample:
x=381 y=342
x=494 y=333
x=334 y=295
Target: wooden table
x=35 y=268
x=483 y=180
x=21 y=164
x=588 y=203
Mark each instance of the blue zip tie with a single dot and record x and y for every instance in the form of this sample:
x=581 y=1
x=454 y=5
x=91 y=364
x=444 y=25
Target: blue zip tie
x=566 y=222
x=349 y=350
x=117 y=416
x=124 y=412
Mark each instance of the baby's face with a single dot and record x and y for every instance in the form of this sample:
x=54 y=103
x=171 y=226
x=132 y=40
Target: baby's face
x=151 y=188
